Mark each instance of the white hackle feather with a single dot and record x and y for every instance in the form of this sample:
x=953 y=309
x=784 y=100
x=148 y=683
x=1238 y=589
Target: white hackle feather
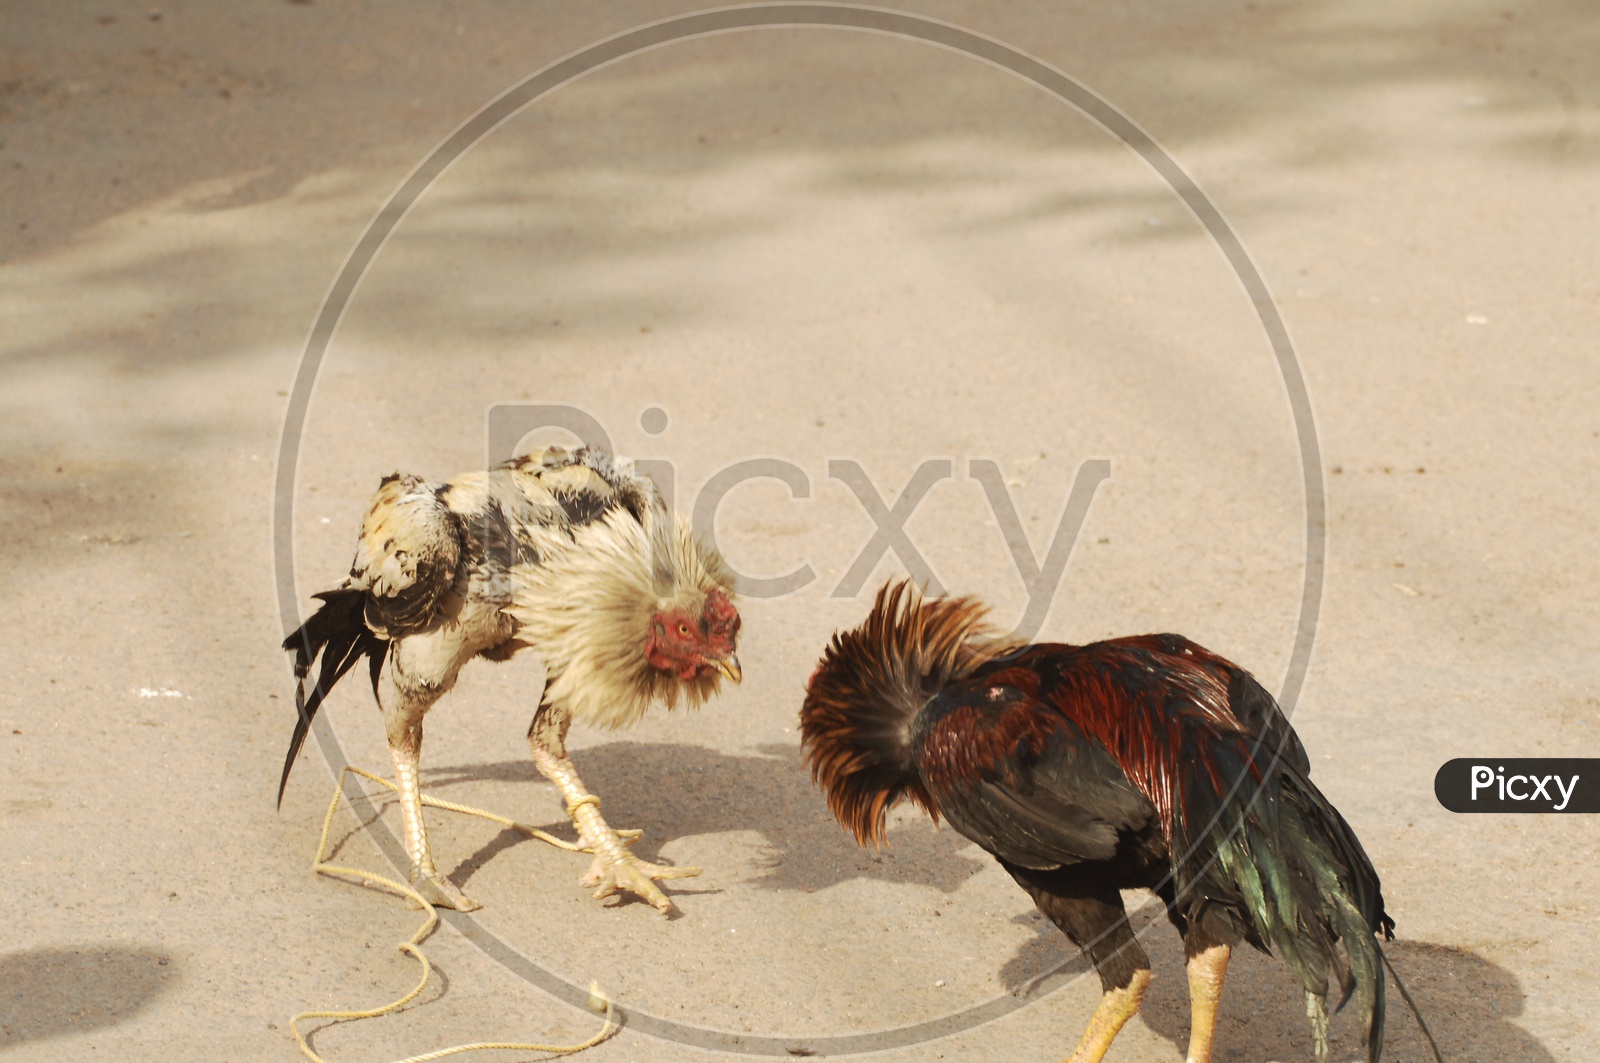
x=587 y=607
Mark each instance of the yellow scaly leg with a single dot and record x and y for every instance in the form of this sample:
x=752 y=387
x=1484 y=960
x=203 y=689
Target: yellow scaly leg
x=1206 y=972
x=1116 y=1007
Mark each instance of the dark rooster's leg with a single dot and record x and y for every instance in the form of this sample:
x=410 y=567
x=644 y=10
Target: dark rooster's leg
x=1098 y=924
x=615 y=869
x=1207 y=968
x=1116 y=1007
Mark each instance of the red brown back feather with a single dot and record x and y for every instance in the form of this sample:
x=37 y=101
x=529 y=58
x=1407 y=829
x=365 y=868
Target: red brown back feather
x=855 y=724
x=964 y=747
x=1140 y=724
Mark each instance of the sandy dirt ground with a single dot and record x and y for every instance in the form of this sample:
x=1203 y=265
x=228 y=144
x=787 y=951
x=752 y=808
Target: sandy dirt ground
x=808 y=246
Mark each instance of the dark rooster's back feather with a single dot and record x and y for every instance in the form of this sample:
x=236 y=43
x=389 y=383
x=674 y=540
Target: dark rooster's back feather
x=1144 y=762
x=340 y=635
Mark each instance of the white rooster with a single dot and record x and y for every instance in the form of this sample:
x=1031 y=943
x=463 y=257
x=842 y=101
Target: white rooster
x=567 y=553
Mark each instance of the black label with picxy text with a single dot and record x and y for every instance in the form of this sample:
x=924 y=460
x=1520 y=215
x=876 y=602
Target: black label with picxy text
x=1519 y=784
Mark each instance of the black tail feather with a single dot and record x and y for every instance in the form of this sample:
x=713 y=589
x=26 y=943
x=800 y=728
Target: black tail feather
x=338 y=632
x=1292 y=869
x=1416 y=1013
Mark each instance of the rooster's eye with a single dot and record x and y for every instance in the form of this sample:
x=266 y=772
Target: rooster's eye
x=683 y=630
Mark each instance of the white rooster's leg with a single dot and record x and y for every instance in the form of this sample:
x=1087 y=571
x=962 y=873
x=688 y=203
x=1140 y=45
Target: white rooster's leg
x=614 y=869
x=425 y=877
x=405 y=701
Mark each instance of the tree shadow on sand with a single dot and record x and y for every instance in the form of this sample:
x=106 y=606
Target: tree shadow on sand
x=56 y=992
x=672 y=791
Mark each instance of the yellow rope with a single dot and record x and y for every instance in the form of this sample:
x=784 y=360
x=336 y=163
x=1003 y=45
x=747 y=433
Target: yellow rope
x=413 y=946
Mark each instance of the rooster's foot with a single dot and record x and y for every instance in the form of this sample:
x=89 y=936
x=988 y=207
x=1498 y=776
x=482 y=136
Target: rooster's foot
x=615 y=870
x=441 y=892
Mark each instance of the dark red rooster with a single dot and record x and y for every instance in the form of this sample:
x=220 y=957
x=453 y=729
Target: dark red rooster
x=1144 y=762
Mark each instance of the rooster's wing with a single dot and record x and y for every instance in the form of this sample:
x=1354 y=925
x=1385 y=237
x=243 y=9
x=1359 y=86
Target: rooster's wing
x=1023 y=781
x=408 y=555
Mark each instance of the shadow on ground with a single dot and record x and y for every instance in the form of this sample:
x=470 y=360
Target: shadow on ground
x=284 y=108
x=55 y=992
x=673 y=791
x=1468 y=1002
x=676 y=791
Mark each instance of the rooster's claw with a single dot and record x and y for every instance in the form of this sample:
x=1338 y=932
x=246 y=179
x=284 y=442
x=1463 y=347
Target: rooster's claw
x=623 y=872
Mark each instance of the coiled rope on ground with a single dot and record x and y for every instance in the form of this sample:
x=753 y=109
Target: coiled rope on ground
x=413 y=945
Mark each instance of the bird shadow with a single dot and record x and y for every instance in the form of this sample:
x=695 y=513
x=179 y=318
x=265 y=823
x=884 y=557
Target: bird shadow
x=1468 y=1002
x=673 y=791
x=60 y=991
x=1047 y=952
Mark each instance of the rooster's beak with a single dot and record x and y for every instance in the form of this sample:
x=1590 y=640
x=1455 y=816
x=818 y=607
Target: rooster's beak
x=729 y=666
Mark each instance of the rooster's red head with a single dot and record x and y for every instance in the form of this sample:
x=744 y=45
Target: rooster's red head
x=696 y=644
x=627 y=614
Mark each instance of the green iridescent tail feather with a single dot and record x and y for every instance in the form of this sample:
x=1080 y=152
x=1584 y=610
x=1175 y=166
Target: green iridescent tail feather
x=1294 y=879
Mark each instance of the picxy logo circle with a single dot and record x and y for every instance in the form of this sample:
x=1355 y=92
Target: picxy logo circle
x=782 y=15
